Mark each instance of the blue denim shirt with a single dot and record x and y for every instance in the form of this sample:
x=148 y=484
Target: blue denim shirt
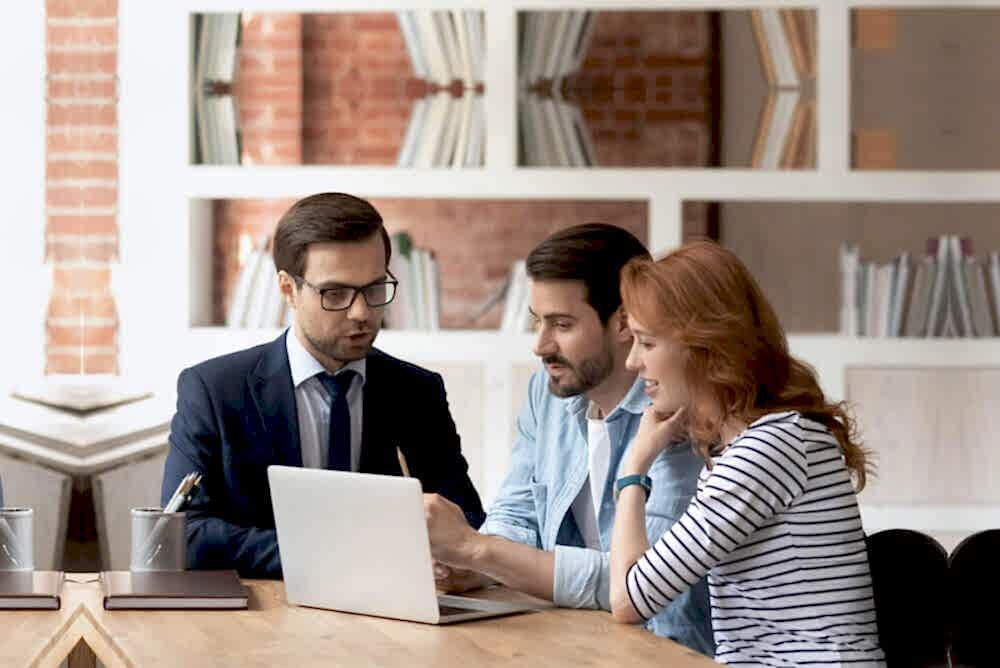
x=548 y=469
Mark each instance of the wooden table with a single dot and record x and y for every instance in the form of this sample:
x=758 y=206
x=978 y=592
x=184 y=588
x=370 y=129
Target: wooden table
x=272 y=633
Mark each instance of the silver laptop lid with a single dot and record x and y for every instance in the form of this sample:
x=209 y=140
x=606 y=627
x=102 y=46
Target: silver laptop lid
x=354 y=542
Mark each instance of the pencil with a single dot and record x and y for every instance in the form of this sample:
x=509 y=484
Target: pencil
x=402 y=463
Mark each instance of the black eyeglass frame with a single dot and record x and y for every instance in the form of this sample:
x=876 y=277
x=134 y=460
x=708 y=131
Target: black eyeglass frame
x=357 y=290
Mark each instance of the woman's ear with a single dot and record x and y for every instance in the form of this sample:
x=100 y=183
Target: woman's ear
x=619 y=320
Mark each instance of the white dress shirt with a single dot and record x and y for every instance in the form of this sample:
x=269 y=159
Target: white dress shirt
x=313 y=404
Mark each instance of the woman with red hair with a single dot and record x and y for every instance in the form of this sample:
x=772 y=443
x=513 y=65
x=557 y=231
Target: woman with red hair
x=775 y=522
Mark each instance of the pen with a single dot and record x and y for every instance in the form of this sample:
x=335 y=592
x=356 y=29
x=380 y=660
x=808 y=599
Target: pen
x=180 y=496
x=402 y=463
x=9 y=543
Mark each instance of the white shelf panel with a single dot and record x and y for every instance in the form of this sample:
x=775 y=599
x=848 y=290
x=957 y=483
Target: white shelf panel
x=486 y=345
x=594 y=183
x=832 y=355
x=611 y=5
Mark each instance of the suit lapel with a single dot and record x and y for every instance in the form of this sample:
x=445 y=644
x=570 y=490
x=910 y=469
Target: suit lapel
x=274 y=396
x=378 y=449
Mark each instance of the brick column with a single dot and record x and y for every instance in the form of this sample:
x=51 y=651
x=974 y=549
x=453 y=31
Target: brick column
x=81 y=185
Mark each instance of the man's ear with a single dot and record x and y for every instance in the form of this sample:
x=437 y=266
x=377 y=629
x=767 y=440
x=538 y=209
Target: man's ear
x=619 y=321
x=288 y=288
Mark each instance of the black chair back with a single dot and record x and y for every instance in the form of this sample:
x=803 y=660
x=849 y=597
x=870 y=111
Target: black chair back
x=910 y=582
x=975 y=594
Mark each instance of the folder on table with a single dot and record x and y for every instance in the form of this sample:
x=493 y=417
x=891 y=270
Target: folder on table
x=173 y=590
x=30 y=590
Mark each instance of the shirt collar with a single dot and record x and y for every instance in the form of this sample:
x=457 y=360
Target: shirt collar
x=634 y=401
x=304 y=366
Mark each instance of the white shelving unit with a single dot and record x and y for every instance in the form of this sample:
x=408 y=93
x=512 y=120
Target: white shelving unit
x=158 y=185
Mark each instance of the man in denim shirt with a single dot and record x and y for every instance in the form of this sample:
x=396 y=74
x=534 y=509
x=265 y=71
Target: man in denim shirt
x=549 y=530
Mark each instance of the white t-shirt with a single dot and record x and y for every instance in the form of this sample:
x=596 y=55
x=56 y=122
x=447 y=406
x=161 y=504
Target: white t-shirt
x=587 y=505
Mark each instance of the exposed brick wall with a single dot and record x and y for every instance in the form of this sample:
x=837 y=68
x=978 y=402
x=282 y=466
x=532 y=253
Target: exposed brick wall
x=268 y=87
x=474 y=240
x=358 y=88
x=645 y=88
x=81 y=195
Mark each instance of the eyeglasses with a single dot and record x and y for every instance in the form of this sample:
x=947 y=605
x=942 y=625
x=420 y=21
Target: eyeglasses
x=341 y=297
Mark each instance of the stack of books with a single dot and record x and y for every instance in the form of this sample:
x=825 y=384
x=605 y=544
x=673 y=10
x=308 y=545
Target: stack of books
x=418 y=296
x=257 y=300
x=552 y=131
x=946 y=293
x=786 y=134
x=445 y=47
x=217 y=135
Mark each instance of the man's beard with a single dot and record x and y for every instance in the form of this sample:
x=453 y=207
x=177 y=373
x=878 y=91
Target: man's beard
x=590 y=373
x=337 y=348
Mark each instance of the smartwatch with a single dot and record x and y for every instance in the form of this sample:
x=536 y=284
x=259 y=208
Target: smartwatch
x=644 y=480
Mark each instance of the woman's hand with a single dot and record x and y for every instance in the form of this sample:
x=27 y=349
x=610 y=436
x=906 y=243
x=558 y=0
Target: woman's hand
x=656 y=433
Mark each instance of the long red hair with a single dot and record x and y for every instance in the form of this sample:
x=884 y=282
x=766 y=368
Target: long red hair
x=737 y=363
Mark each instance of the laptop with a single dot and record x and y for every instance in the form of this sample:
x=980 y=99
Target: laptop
x=357 y=542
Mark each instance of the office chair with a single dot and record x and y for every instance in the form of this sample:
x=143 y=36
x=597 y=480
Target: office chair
x=975 y=591
x=910 y=583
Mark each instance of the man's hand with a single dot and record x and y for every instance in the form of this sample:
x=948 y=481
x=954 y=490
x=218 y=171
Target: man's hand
x=451 y=580
x=453 y=541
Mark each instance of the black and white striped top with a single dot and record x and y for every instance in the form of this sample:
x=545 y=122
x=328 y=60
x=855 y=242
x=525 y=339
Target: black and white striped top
x=775 y=524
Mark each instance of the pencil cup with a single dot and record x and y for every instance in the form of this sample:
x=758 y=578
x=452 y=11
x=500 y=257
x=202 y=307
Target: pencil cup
x=17 y=542
x=159 y=542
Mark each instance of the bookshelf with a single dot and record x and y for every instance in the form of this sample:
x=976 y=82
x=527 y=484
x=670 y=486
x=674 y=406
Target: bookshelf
x=161 y=247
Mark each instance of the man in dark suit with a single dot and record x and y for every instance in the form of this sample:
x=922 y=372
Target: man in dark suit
x=319 y=396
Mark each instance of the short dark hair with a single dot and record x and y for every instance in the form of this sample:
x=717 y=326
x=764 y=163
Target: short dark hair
x=321 y=218
x=593 y=253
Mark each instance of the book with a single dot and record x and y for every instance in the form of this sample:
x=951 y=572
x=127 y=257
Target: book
x=464 y=48
x=982 y=316
x=408 y=28
x=870 y=326
x=432 y=284
x=994 y=283
x=30 y=590
x=414 y=130
x=881 y=297
x=961 y=254
x=901 y=293
x=775 y=128
x=920 y=297
x=477 y=134
x=938 y=308
x=776 y=53
x=246 y=287
x=431 y=42
x=850 y=262
x=173 y=590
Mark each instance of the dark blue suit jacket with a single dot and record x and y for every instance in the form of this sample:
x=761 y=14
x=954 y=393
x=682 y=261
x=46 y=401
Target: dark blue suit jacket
x=236 y=415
